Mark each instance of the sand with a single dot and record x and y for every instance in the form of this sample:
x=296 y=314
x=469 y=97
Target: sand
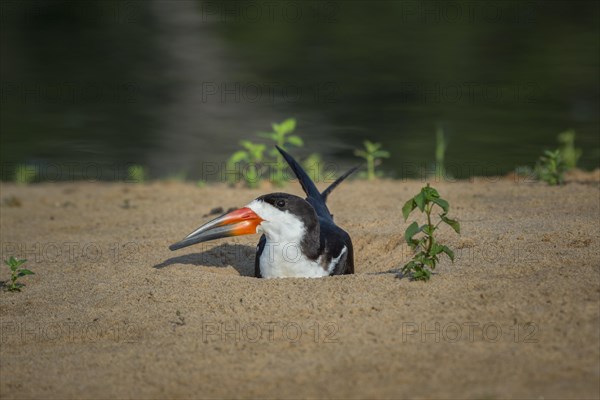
x=112 y=313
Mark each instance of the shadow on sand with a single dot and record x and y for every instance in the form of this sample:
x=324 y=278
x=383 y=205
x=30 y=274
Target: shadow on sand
x=238 y=256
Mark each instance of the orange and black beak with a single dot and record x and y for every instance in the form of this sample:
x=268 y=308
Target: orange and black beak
x=243 y=221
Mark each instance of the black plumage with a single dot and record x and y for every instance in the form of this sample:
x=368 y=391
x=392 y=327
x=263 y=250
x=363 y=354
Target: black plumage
x=323 y=239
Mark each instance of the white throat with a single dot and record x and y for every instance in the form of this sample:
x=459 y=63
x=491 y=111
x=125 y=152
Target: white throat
x=278 y=226
x=282 y=256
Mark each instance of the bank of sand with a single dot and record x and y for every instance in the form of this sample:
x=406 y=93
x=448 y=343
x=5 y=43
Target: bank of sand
x=119 y=315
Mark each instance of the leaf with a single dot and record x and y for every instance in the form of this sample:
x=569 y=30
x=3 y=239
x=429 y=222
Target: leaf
x=418 y=275
x=430 y=193
x=408 y=207
x=449 y=252
x=420 y=200
x=381 y=154
x=409 y=266
x=421 y=274
x=428 y=230
x=287 y=126
x=274 y=152
x=436 y=249
x=24 y=272
x=360 y=153
x=442 y=203
x=295 y=140
x=14 y=263
x=419 y=257
x=256 y=154
x=246 y=144
x=429 y=262
x=411 y=231
x=370 y=146
x=238 y=156
x=423 y=241
x=452 y=222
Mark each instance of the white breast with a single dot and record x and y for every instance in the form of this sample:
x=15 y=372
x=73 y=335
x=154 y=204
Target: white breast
x=282 y=255
x=285 y=260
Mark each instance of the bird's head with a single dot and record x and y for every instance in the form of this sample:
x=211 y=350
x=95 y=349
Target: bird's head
x=281 y=217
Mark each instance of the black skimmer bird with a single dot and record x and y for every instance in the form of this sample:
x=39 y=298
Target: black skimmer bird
x=299 y=237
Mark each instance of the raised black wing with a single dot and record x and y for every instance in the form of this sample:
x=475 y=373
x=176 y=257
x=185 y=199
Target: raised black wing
x=313 y=196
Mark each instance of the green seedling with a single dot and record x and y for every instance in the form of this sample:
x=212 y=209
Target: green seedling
x=254 y=160
x=568 y=152
x=282 y=136
x=422 y=237
x=251 y=158
x=25 y=174
x=553 y=164
x=440 y=153
x=16 y=273
x=373 y=154
x=136 y=174
x=551 y=168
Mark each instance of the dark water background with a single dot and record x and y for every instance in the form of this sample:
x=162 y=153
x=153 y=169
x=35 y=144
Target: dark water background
x=174 y=85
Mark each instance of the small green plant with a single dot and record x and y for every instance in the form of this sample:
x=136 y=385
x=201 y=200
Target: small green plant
x=426 y=259
x=551 y=168
x=16 y=273
x=136 y=174
x=252 y=158
x=373 y=154
x=25 y=174
x=440 y=153
x=553 y=164
x=282 y=136
x=569 y=154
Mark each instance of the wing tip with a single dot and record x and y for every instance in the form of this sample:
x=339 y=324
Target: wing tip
x=339 y=180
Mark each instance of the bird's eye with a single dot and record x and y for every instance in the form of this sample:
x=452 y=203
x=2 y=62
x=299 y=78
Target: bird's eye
x=280 y=203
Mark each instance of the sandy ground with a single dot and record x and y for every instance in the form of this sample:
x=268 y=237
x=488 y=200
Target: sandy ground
x=111 y=312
